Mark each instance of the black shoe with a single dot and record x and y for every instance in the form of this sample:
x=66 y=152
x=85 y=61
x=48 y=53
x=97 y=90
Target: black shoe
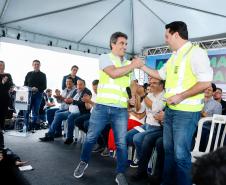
x=154 y=180
x=37 y=127
x=56 y=135
x=68 y=141
x=46 y=138
x=97 y=148
x=43 y=125
x=138 y=176
x=134 y=163
x=32 y=131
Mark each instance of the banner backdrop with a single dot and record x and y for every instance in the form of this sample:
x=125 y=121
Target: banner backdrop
x=217 y=60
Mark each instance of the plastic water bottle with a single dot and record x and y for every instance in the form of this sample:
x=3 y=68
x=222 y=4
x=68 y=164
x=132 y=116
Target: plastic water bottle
x=24 y=129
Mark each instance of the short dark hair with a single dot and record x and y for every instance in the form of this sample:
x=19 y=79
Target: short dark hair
x=48 y=90
x=180 y=27
x=95 y=82
x=162 y=82
x=36 y=61
x=69 y=78
x=2 y=63
x=115 y=36
x=219 y=89
x=214 y=87
x=81 y=81
x=145 y=85
x=210 y=168
x=74 y=66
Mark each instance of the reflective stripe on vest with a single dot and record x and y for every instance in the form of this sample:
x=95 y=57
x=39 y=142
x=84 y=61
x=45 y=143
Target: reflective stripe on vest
x=194 y=103
x=113 y=91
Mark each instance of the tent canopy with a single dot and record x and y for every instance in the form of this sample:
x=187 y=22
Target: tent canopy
x=90 y=23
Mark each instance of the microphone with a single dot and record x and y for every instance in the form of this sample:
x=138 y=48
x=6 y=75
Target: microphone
x=128 y=90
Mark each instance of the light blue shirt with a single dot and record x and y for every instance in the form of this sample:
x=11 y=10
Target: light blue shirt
x=212 y=107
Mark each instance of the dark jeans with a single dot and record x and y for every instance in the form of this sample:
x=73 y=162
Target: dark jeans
x=178 y=131
x=35 y=101
x=59 y=117
x=148 y=145
x=137 y=138
x=80 y=122
x=160 y=158
x=3 y=111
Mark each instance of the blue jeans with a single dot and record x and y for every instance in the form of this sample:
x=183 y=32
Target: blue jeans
x=77 y=119
x=178 y=130
x=50 y=114
x=100 y=117
x=59 y=117
x=135 y=137
x=50 y=117
x=35 y=102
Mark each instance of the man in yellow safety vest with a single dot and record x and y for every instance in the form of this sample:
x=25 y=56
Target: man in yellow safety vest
x=187 y=74
x=111 y=104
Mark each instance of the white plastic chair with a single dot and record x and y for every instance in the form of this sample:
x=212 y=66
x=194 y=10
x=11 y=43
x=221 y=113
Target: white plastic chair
x=152 y=161
x=78 y=134
x=219 y=120
x=81 y=136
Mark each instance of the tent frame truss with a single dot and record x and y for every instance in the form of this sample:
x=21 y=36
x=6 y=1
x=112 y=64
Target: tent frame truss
x=205 y=44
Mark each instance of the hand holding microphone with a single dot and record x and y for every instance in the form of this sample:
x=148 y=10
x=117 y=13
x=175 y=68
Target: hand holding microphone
x=132 y=100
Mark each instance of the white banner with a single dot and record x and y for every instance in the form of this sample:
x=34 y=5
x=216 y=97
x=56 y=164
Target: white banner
x=22 y=98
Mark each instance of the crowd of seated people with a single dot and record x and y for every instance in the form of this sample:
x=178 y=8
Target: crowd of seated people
x=145 y=123
x=75 y=109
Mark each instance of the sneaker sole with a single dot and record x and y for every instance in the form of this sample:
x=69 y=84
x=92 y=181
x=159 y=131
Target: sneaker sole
x=116 y=181
x=133 y=166
x=108 y=155
x=79 y=176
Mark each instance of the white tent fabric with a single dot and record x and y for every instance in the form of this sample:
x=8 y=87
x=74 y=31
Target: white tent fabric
x=91 y=22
